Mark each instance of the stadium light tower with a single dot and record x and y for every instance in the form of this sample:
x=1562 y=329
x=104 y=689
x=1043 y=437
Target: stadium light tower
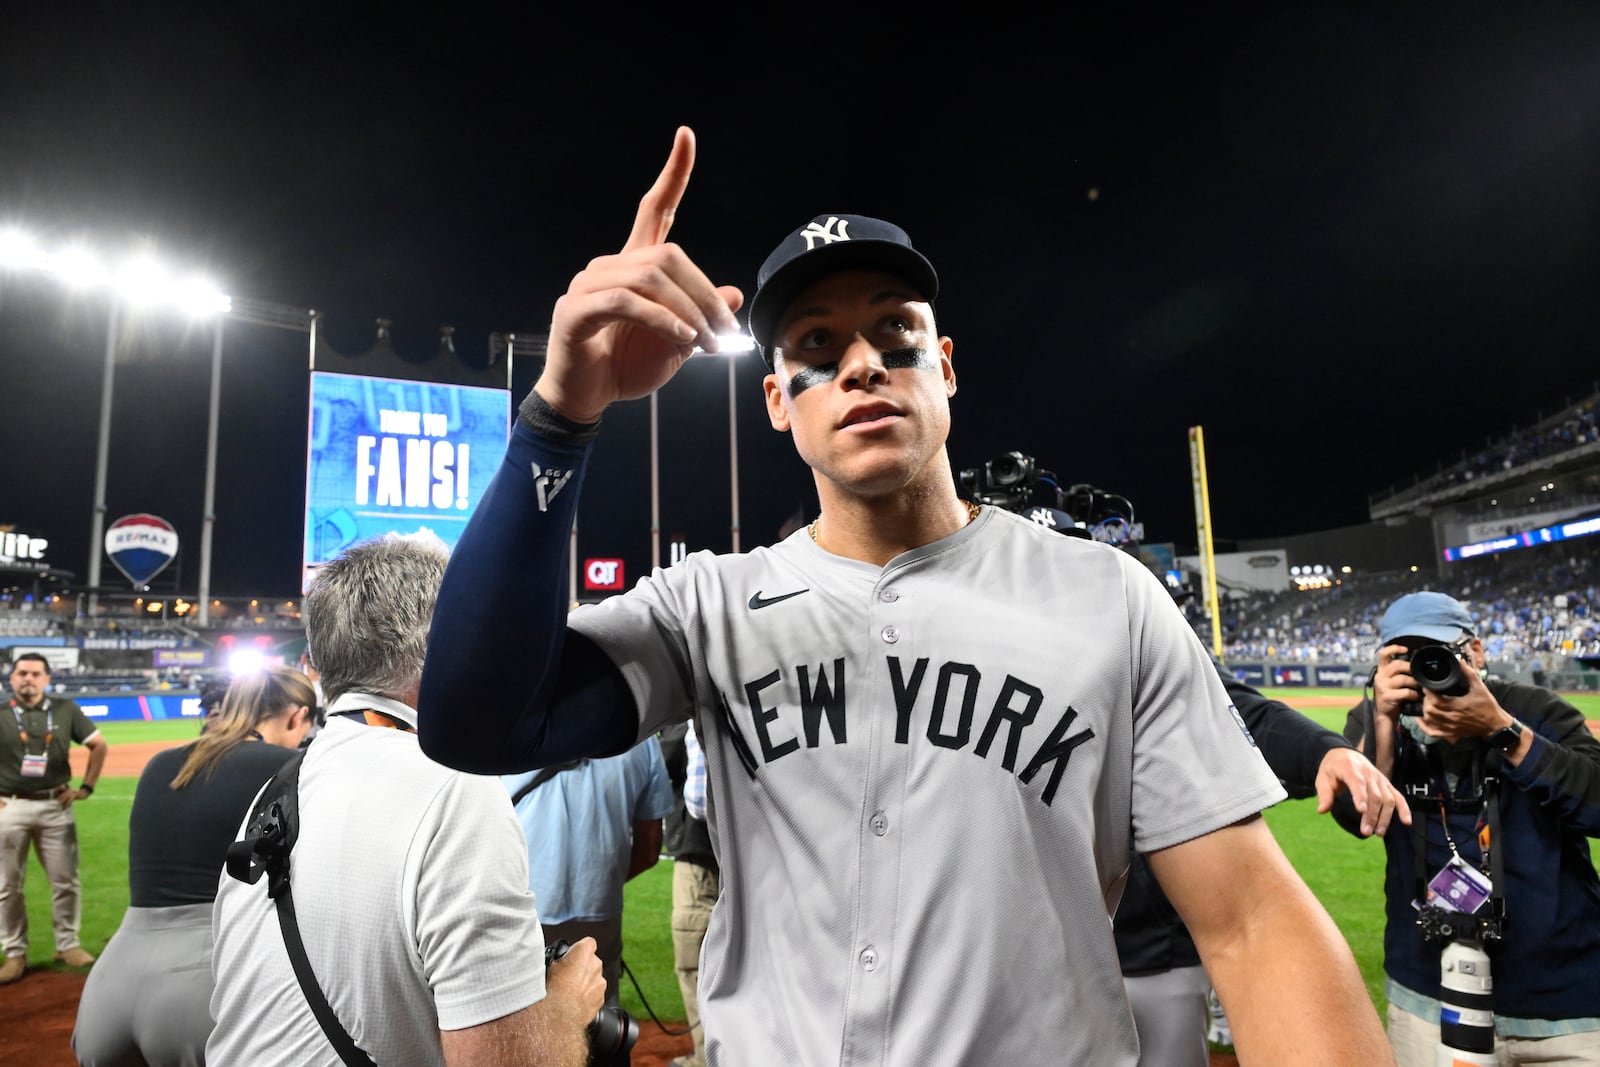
x=731 y=346
x=139 y=283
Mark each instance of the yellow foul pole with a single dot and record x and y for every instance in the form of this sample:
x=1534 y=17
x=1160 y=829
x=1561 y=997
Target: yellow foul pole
x=1202 y=520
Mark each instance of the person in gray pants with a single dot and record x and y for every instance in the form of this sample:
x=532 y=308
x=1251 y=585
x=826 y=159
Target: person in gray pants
x=148 y=1000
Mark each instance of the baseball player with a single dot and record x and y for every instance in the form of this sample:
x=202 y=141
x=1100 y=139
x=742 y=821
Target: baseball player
x=935 y=733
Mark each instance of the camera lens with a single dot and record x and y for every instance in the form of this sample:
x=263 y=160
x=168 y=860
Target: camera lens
x=1436 y=667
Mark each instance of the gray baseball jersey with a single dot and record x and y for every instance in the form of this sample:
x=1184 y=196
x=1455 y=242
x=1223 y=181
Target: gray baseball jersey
x=925 y=783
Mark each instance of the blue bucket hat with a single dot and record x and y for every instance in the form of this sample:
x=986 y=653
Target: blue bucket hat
x=1429 y=615
x=826 y=245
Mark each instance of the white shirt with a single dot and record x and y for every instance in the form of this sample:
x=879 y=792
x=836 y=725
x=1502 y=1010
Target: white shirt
x=410 y=884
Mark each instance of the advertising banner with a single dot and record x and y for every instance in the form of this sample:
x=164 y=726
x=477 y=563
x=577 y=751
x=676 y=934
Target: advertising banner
x=141 y=546
x=21 y=551
x=180 y=657
x=60 y=658
x=385 y=455
x=602 y=574
x=1251 y=674
x=1339 y=675
x=1290 y=674
x=118 y=707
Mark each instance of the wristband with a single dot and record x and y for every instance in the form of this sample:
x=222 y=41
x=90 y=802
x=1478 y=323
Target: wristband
x=86 y=788
x=537 y=415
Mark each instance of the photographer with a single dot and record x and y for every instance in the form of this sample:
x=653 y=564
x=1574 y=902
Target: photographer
x=1503 y=777
x=410 y=880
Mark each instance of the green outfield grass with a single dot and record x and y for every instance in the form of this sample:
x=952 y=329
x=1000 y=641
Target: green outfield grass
x=1345 y=873
x=117 y=733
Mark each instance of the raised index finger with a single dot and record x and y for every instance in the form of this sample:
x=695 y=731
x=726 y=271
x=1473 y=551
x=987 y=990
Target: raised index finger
x=659 y=206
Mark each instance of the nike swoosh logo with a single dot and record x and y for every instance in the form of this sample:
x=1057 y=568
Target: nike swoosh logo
x=758 y=601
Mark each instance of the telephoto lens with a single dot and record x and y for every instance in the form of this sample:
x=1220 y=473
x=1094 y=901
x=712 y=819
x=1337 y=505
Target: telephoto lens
x=1466 y=1006
x=612 y=1032
x=1438 y=668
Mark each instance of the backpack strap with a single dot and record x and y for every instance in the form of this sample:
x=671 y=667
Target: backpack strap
x=269 y=837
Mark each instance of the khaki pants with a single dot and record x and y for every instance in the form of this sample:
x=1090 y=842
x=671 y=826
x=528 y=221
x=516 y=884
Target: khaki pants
x=1416 y=1041
x=694 y=891
x=53 y=831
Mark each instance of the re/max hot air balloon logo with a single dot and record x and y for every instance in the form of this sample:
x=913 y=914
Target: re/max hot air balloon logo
x=141 y=546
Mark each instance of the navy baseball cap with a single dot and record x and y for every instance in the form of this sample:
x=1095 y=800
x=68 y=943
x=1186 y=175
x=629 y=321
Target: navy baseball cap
x=826 y=245
x=1434 y=616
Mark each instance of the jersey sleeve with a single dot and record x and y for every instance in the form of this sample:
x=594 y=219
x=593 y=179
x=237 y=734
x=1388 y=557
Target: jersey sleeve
x=477 y=932
x=646 y=633
x=1196 y=768
x=1292 y=744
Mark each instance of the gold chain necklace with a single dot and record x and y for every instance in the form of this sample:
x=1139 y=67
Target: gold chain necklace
x=972 y=513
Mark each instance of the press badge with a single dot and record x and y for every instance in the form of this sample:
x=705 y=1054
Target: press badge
x=1458 y=886
x=34 y=766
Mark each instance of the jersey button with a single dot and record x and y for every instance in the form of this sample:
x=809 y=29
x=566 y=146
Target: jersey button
x=869 y=959
x=880 y=823
x=890 y=634
x=888 y=596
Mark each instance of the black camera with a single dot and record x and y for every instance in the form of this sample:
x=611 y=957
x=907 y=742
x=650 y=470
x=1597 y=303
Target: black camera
x=1439 y=925
x=1438 y=668
x=1007 y=481
x=1015 y=482
x=612 y=1033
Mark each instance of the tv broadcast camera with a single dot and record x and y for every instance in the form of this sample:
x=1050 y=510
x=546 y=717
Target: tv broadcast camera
x=1015 y=481
x=612 y=1033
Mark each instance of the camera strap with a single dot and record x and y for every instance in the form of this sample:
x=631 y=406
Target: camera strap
x=269 y=837
x=1488 y=805
x=1492 y=843
x=541 y=778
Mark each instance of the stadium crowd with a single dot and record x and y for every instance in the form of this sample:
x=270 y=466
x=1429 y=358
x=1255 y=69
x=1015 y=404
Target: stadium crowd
x=1567 y=431
x=1536 y=607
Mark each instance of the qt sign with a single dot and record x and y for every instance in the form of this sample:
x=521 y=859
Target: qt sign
x=602 y=574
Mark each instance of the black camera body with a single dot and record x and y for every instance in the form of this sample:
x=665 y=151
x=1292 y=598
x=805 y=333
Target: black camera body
x=1438 y=668
x=612 y=1032
x=1006 y=481
x=1439 y=925
x=1014 y=481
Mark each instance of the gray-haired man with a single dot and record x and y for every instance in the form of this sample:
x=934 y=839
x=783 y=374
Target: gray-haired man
x=411 y=879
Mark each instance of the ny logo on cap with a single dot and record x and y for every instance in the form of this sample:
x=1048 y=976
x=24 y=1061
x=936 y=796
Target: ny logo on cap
x=825 y=233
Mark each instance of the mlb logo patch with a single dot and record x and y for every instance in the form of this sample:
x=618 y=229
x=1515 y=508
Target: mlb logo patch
x=1243 y=729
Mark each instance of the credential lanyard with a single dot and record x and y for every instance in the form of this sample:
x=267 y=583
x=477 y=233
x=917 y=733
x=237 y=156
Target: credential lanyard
x=1488 y=831
x=376 y=718
x=49 y=728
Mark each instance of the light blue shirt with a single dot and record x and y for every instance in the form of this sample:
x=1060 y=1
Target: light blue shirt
x=579 y=827
x=694 y=780
x=1425 y=1007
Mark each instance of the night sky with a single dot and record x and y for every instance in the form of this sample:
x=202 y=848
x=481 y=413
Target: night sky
x=1350 y=241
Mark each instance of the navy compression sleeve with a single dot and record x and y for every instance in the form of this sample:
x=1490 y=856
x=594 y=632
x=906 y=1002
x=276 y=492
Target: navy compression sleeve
x=506 y=687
